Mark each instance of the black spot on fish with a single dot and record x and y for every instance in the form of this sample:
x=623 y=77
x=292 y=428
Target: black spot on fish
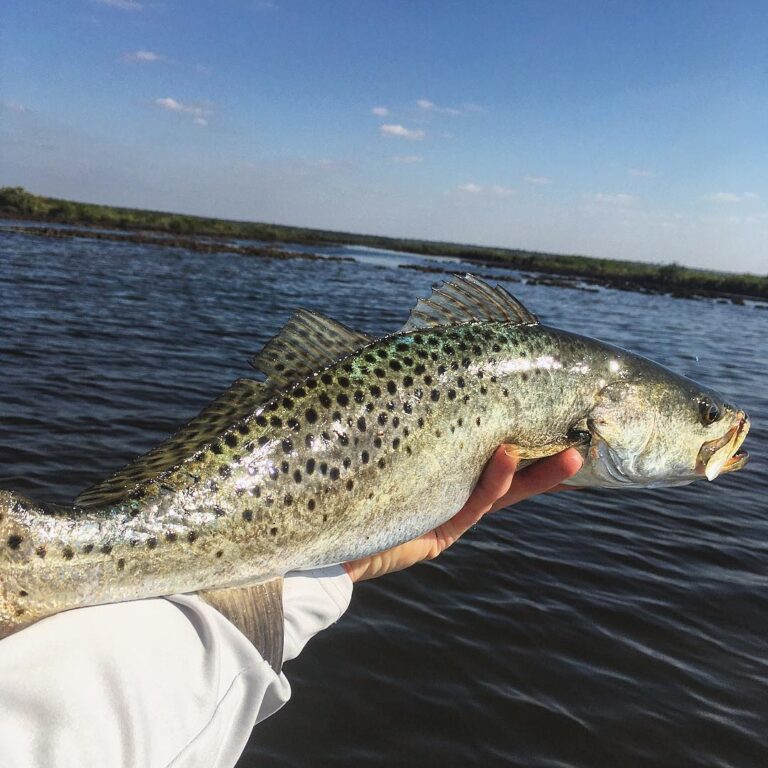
x=396 y=443
x=401 y=347
x=379 y=372
x=523 y=376
x=336 y=416
x=170 y=536
x=419 y=369
x=350 y=485
x=368 y=407
x=87 y=549
x=359 y=396
x=311 y=415
x=364 y=457
x=477 y=421
x=311 y=504
x=382 y=418
x=224 y=470
x=395 y=365
x=343 y=382
x=284 y=467
x=325 y=401
x=381 y=463
x=420 y=421
x=120 y=563
x=256 y=491
x=451 y=394
x=273 y=531
x=323 y=468
x=299 y=392
x=287 y=445
x=287 y=402
x=269 y=501
x=310 y=384
x=273 y=473
x=261 y=420
x=361 y=425
x=288 y=500
x=23 y=593
x=346 y=463
x=263 y=440
x=67 y=553
x=243 y=428
x=395 y=421
x=377 y=442
x=374 y=390
x=370 y=357
x=441 y=369
x=391 y=387
x=326 y=378
x=483 y=390
x=294 y=424
x=40 y=552
x=14 y=541
x=276 y=421
x=308 y=440
x=408 y=407
x=310 y=466
x=151 y=542
x=334 y=473
x=219 y=552
x=342 y=400
x=297 y=476
x=382 y=353
x=407 y=381
x=216 y=447
x=230 y=440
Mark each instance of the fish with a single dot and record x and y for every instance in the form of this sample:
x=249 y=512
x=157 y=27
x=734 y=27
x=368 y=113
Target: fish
x=347 y=445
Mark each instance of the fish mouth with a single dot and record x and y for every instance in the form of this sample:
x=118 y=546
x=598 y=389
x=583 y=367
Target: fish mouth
x=723 y=455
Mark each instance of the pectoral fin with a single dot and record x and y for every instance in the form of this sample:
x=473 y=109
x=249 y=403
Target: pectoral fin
x=257 y=611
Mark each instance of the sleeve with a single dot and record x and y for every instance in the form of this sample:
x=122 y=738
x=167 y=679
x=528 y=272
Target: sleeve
x=160 y=683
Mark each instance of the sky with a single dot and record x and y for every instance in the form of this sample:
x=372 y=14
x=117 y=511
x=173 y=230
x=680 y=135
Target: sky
x=614 y=129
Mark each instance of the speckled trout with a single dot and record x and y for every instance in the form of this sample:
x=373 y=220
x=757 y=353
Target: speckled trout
x=350 y=445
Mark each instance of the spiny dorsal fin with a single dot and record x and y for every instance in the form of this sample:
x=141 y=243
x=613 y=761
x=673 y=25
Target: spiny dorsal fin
x=231 y=406
x=307 y=343
x=467 y=299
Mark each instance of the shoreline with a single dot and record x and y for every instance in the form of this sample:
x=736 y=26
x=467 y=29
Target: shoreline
x=555 y=278
x=210 y=235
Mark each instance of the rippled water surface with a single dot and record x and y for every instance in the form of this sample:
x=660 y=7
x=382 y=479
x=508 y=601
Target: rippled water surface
x=579 y=629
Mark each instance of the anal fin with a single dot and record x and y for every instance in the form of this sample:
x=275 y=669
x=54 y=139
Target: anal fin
x=257 y=611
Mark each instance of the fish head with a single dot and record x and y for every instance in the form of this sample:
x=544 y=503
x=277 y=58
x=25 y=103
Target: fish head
x=661 y=430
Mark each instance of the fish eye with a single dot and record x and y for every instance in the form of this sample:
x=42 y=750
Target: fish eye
x=709 y=411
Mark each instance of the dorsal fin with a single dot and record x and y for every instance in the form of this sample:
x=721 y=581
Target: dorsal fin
x=307 y=343
x=467 y=299
x=232 y=405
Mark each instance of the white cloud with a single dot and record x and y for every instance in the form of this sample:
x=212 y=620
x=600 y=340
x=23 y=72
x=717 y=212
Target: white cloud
x=615 y=199
x=202 y=69
x=123 y=5
x=641 y=173
x=493 y=189
x=198 y=112
x=425 y=105
x=142 y=56
x=407 y=159
x=541 y=180
x=380 y=111
x=401 y=131
x=731 y=197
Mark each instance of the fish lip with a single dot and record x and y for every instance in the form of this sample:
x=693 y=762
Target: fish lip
x=723 y=455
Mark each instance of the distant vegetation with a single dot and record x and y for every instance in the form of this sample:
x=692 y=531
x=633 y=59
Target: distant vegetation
x=16 y=202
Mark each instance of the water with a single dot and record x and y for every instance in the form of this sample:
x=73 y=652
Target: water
x=578 y=629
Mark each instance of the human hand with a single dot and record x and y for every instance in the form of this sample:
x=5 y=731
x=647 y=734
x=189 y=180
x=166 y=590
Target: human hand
x=497 y=488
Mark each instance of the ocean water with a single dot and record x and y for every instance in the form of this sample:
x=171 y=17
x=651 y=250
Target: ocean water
x=593 y=628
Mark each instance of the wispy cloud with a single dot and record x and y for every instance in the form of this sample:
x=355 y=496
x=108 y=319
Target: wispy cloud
x=731 y=197
x=13 y=106
x=142 y=57
x=540 y=180
x=641 y=173
x=380 y=111
x=407 y=159
x=202 y=69
x=425 y=105
x=198 y=112
x=401 y=132
x=123 y=5
x=615 y=199
x=493 y=189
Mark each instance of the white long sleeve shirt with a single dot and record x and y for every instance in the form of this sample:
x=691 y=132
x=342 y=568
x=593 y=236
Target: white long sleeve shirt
x=161 y=683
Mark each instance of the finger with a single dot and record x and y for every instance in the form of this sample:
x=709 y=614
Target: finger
x=541 y=477
x=494 y=483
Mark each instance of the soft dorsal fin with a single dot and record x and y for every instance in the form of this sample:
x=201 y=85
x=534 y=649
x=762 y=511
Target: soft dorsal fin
x=307 y=343
x=467 y=299
x=231 y=406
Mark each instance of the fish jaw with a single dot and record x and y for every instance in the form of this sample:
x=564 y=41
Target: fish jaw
x=719 y=456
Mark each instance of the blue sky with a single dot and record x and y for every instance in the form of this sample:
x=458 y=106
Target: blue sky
x=617 y=129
